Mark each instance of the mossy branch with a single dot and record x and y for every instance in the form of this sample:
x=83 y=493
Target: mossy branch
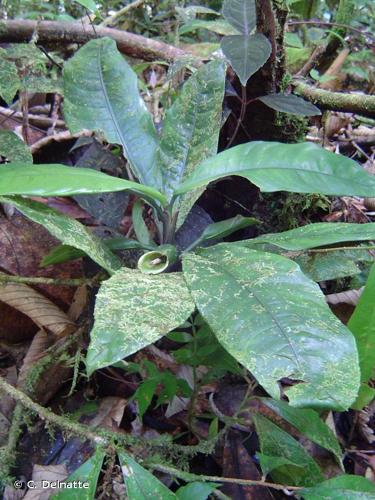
x=337 y=101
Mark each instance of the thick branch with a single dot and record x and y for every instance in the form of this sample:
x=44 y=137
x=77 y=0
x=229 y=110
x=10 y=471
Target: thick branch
x=337 y=101
x=55 y=32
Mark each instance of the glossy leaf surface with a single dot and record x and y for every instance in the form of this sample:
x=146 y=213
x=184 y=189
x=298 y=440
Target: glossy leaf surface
x=348 y=487
x=140 y=483
x=320 y=234
x=134 y=310
x=241 y=14
x=67 y=230
x=278 y=324
x=273 y=166
x=225 y=228
x=246 y=53
x=101 y=93
x=59 y=180
x=290 y=103
x=88 y=473
x=191 y=126
x=309 y=423
x=277 y=444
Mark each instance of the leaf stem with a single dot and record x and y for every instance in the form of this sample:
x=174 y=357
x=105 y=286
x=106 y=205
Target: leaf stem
x=7 y=278
x=241 y=117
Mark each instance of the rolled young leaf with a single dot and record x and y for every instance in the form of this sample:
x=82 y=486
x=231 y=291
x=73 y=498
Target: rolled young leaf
x=67 y=230
x=133 y=310
x=278 y=325
x=158 y=260
x=101 y=93
x=274 y=166
x=60 y=180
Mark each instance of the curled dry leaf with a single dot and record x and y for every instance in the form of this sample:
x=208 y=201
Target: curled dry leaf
x=48 y=473
x=39 y=344
x=350 y=297
x=40 y=309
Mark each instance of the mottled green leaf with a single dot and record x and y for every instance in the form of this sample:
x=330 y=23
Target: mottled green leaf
x=9 y=80
x=42 y=84
x=196 y=491
x=241 y=14
x=87 y=473
x=64 y=253
x=220 y=27
x=362 y=324
x=60 y=180
x=88 y=4
x=278 y=324
x=13 y=148
x=309 y=423
x=268 y=464
x=101 y=93
x=274 y=442
x=273 y=166
x=134 y=310
x=345 y=487
x=246 y=53
x=67 y=230
x=289 y=103
x=140 y=483
x=333 y=265
x=192 y=125
x=320 y=234
x=224 y=228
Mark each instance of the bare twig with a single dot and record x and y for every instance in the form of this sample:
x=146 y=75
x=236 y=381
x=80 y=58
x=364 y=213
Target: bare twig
x=55 y=32
x=337 y=101
x=366 y=34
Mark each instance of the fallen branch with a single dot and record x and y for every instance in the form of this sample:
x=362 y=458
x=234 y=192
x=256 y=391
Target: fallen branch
x=55 y=32
x=39 y=121
x=337 y=101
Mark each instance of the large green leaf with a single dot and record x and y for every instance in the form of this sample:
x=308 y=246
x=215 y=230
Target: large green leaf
x=278 y=324
x=67 y=230
x=192 y=125
x=246 y=53
x=309 y=423
x=273 y=166
x=320 y=234
x=87 y=473
x=345 y=487
x=59 y=180
x=277 y=444
x=101 y=93
x=362 y=324
x=134 y=310
x=140 y=483
x=241 y=14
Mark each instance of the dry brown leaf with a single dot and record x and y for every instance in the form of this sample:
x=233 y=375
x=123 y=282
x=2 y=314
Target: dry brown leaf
x=238 y=463
x=41 y=310
x=45 y=473
x=39 y=344
x=350 y=297
x=110 y=413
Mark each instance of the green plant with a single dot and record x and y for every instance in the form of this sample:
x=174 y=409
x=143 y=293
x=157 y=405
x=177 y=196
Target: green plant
x=263 y=310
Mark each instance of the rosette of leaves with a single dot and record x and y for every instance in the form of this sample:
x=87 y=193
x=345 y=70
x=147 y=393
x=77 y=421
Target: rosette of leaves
x=262 y=309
